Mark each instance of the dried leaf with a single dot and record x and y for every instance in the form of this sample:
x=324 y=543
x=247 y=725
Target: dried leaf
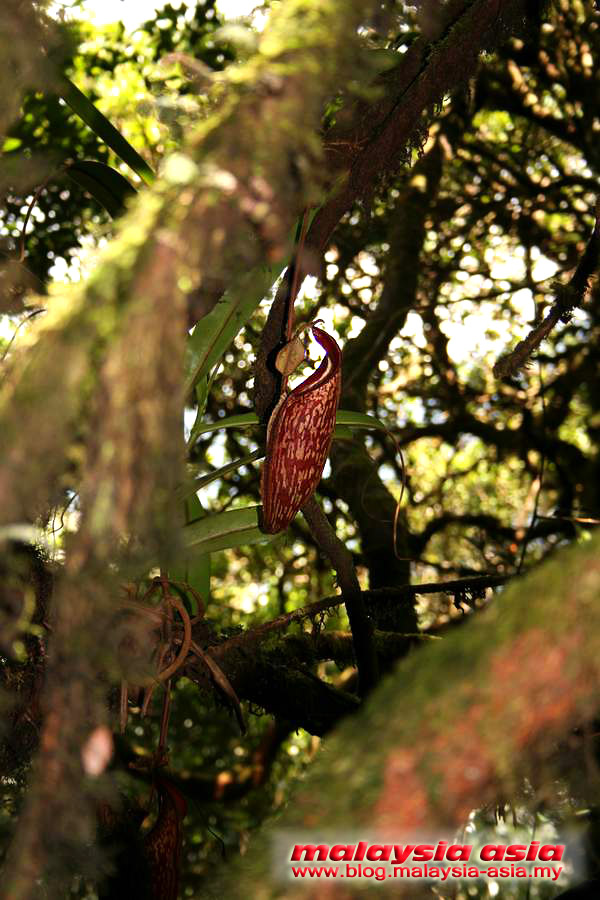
x=290 y=356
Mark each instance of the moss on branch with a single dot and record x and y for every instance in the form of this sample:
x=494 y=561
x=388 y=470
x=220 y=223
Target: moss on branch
x=459 y=723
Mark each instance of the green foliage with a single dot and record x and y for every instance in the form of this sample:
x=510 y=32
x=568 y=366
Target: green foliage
x=104 y=130
x=213 y=335
x=104 y=184
x=114 y=71
x=232 y=528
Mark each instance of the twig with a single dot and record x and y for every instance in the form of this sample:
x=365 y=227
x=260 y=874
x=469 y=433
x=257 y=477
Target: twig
x=29 y=316
x=568 y=296
x=149 y=692
x=471 y=584
x=577 y=520
x=201 y=609
x=540 y=476
x=361 y=626
x=33 y=202
x=164 y=722
x=185 y=644
x=222 y=682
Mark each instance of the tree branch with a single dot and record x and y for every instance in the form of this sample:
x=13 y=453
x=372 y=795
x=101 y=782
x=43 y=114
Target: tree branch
x=371 y=140
x=491 y=704
x=360 y=624
x=568 y=297
x=379 y=135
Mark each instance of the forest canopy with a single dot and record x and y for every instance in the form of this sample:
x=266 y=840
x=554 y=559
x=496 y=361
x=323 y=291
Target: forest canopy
x=203 y=643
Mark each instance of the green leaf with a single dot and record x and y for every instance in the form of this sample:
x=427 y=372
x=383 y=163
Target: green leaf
x=232 y=528
x=359 y=420
x=195 y=569
x=343 y=433
x=197 y=575
x=201 y=400
x=237 y=527
x=205 y=480
x=214 y=333
x=105 y=130
x=202 y=395
x=246 y=420
x=243 y=420
x=104 y=183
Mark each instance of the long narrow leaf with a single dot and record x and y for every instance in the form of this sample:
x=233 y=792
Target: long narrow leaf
x=238 y=527
x=105 y=130
x=214 y=333
x=246 y=420
x=202 y=390
x=104 y=183
x=243 y=420
x=343 y=433
x=195 y=569
x=232 y=528
x=207 y=479
x=358 y=420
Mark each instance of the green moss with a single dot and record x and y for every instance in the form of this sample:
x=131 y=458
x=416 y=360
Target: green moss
x=437 y=688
